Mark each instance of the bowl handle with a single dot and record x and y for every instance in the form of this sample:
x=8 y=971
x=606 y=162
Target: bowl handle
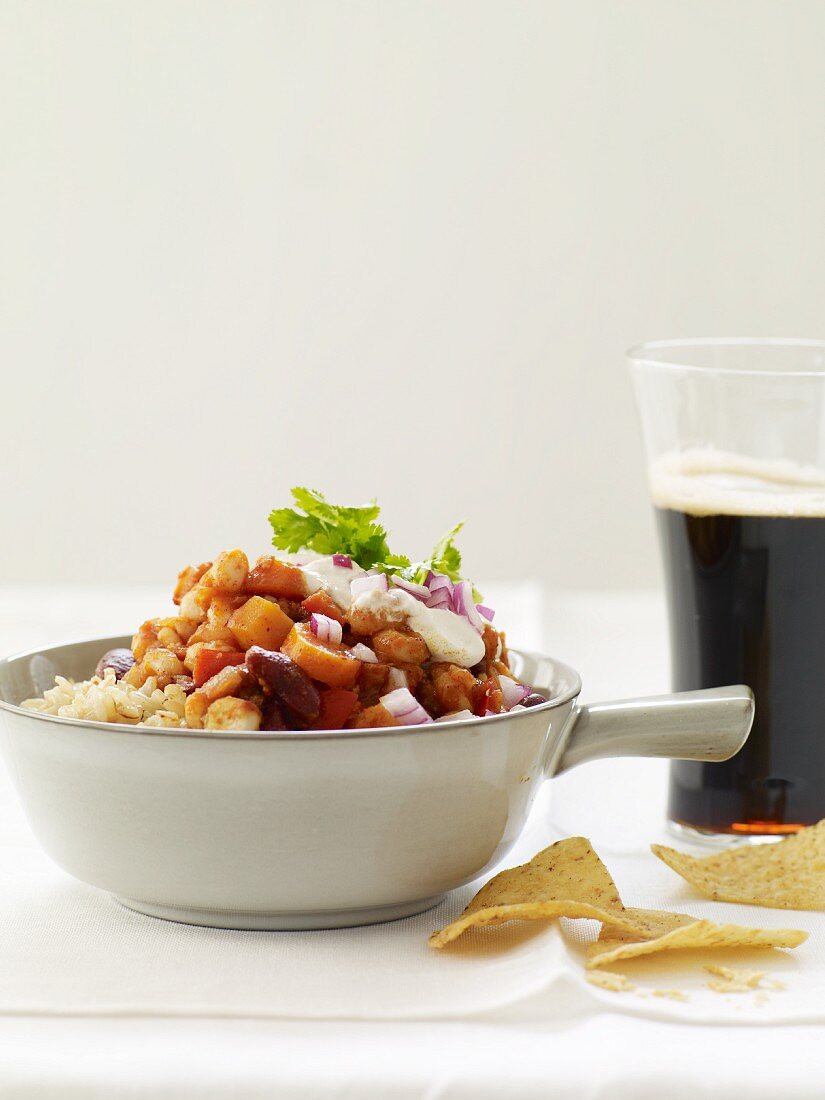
x=712 y=724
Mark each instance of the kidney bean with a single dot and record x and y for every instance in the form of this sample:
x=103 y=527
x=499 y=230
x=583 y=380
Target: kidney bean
x=272 y=717
x=533 y=700
x=289 y=684
x=119 y=660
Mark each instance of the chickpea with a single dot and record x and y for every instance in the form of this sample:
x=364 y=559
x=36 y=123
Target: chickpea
x=145 y=638
x=230 y=713
x=163 y=664
x=188 y=578
x=228 y=572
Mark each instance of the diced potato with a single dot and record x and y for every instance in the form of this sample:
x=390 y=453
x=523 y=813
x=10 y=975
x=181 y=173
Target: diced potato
x=228 y=572
x=332 y=665
x=259 y=622
x=273 y=577
x=232 y=714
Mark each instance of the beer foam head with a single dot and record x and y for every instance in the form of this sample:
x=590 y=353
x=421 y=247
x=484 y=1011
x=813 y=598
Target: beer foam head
x=707 y=482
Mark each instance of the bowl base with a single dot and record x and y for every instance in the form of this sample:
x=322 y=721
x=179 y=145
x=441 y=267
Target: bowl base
x=255 y=920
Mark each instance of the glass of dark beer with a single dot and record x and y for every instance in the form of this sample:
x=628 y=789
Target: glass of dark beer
x=735 y=438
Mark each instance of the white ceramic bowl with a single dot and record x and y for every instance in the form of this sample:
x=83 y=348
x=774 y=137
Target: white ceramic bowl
x=314 y=830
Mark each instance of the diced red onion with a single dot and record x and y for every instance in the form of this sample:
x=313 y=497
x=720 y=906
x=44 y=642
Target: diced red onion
x=456 y=716
x=325 y=629
x=397 y=678
x=516 y=708
x=404 y=706
x=435 y=581
x=342 y=559
x=420 y=591
x=441 y=592
x=371 y=583
x=463 y=605
x=442 y=600
x=364 y=653
x=512 y=693
x=486 y=612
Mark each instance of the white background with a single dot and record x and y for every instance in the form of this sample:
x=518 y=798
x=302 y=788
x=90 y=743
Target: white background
x=383 y=248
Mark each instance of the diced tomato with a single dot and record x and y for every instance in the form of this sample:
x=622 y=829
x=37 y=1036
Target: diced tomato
x=272 y=577
x=487 y=697
x=336 y=707
x=321 y=603
x=208 y=662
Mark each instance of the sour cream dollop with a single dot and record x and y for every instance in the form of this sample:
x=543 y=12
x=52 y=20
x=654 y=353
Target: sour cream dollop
x=334 y=579
x=449 y=637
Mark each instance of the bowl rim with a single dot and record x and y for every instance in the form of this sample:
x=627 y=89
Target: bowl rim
x=571 y=693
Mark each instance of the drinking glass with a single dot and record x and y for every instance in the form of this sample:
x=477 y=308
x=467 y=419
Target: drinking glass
x=734 y=432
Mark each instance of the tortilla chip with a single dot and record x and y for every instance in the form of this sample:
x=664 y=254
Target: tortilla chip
x=565 y=880
x=671 y=994
x=614 y=983
x=789 y=874
x=643 y=924
x=697 y=934
x=730 y=979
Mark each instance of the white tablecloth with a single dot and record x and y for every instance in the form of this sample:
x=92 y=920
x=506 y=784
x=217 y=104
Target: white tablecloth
x=617 y=642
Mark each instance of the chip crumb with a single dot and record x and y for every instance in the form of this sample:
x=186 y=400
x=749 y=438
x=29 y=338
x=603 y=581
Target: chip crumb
x=760 y=999
x=774 y=983
x=671 y=994
x=729 y=979
x=616 y=983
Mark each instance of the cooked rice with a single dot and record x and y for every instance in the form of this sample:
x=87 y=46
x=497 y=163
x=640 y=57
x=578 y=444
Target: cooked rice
x=105 y=699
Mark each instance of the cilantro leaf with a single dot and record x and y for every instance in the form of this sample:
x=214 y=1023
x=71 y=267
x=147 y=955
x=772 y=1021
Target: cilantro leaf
x=446 y=557
x=329 y=528
x=315 y=524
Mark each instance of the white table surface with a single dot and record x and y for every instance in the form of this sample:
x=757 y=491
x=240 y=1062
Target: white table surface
x=618 y=643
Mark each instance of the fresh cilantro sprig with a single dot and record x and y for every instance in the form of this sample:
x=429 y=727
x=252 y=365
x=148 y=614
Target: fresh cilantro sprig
x=330 y=529
x=445 y=558
x=315 y=524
